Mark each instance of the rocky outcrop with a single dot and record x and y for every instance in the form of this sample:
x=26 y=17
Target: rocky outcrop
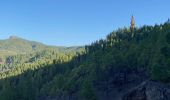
x=148 y=90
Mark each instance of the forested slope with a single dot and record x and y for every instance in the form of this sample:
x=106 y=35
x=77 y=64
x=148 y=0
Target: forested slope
x=16 y=51
x=15 y=45
x=106 y=70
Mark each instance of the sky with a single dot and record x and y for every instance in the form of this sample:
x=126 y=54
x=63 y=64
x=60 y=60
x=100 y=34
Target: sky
x=76 y=22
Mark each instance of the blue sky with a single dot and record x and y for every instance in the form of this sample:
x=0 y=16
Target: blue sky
x=75 y=22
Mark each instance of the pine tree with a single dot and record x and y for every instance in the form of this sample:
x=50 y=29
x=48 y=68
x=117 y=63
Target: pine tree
x=132 y=27
x=168 y=21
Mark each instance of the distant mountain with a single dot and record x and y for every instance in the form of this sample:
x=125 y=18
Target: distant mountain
x=16 y=45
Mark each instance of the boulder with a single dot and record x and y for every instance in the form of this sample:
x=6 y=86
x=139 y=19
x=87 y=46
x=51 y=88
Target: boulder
x=148 y=90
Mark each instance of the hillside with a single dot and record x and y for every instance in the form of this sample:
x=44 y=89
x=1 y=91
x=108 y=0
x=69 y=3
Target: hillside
x=16 y=45
x=127 y=65
x=16 y=51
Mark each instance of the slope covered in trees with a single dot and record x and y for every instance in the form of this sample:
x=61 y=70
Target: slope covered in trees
x=105 y=70
x=16 y=51
x=16 y=45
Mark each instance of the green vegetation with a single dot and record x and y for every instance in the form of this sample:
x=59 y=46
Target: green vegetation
x=51 y=73
x=15 y=45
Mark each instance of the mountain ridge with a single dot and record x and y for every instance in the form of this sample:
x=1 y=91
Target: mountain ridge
x=16 y=45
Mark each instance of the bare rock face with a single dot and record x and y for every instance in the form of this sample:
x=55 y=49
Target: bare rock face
x=13 y=37
x=148 y=90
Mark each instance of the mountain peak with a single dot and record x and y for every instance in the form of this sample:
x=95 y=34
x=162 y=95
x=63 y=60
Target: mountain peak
x=13 y=37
